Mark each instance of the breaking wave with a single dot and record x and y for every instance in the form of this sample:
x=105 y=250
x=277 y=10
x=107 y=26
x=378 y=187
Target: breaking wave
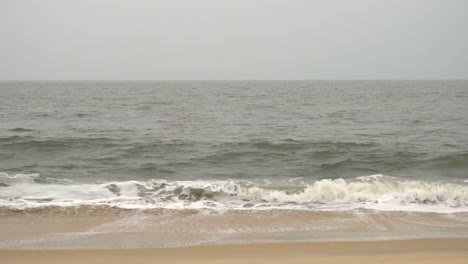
x=375 y=192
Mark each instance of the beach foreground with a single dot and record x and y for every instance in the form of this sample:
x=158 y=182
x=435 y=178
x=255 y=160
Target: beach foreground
x=446 y=250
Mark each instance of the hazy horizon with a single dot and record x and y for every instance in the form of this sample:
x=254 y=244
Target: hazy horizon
x=234 y=40
x=224 y=80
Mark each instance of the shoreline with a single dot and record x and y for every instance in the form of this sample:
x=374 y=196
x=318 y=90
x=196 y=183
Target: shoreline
x=433 y=250
x=96 y=229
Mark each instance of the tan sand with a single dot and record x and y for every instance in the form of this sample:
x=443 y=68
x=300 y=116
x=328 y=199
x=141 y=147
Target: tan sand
x=453 y=250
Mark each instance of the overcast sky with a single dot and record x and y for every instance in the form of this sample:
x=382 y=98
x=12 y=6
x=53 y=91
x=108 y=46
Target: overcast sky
x=233 y=39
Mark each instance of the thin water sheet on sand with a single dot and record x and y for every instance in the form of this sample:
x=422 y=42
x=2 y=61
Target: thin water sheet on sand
x=107 y=227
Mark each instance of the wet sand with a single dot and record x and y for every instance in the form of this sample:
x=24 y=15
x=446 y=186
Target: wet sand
x=444 y=250
x=90 y=228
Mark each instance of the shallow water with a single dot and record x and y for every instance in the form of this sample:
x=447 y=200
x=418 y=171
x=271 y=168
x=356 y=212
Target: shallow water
x=107 y=227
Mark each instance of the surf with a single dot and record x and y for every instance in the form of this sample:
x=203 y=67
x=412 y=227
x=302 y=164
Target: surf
x=376 y=192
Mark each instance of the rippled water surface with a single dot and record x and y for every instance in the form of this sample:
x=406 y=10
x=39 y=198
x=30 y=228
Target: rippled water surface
x=235 y=144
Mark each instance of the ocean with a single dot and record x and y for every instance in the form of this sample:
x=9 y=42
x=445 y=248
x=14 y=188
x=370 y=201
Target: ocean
x=174 y=163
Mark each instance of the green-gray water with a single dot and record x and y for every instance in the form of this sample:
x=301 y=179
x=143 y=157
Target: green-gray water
x=235 y=144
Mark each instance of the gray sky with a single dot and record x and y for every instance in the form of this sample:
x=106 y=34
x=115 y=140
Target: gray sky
x=233 y=39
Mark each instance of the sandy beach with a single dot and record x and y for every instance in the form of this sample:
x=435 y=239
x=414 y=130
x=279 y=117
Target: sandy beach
x=450 y=250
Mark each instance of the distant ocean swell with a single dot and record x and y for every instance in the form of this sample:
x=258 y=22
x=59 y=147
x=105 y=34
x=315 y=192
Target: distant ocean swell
x=377 y=192
x=325 y=156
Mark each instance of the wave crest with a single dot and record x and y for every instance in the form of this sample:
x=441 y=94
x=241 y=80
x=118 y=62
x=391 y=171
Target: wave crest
x=376 y=192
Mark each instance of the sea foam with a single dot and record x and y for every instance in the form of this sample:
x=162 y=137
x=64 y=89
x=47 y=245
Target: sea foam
x=377 y=192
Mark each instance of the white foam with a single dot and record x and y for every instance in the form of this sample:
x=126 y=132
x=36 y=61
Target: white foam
x=376 y=192
x=373 y=177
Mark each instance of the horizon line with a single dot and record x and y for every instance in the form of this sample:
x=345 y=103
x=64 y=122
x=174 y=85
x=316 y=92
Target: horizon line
x=223 y=80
